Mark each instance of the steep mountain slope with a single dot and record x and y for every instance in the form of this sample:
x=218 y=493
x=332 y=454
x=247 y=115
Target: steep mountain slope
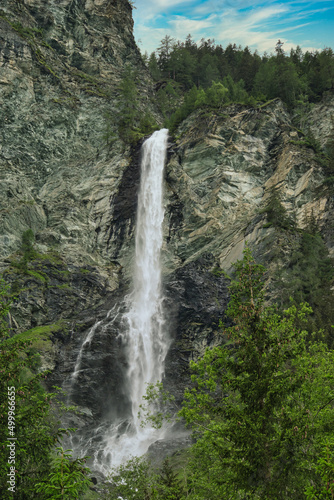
x=225 y=168
x=61 y=63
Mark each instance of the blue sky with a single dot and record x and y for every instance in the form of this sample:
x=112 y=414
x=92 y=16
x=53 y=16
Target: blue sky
x=254 y=23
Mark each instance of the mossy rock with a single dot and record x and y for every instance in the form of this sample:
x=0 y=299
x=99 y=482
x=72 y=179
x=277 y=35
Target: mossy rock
x=41 y=346
x=85 y=271
x=40 y=336
x=65 y=286
x=52 y=256
x=40 y=276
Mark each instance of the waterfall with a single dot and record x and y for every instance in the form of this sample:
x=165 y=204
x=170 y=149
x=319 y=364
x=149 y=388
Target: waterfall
x=143 y=332
x=147 y=344
x=145 y=336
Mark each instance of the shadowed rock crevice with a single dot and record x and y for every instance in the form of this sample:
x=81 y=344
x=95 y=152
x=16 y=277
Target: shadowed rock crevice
x=124 y=205
x=196 y=299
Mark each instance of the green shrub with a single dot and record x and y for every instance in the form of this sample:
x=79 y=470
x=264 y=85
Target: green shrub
x=277 y=214
x=27 y=246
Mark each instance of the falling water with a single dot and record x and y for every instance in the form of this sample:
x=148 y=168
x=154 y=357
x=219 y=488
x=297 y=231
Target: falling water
x=144 y=335
x=103 y=324
x=147 y=343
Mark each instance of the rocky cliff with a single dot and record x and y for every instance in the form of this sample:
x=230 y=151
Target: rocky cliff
x=224 y=169
x=60 y=66
x=61 y=63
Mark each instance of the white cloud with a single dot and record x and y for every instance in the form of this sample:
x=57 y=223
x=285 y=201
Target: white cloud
x=246 y=22
x=163 y=4
x=147 y=9
x=255 y=17
x=250 y=27
x=180 y=25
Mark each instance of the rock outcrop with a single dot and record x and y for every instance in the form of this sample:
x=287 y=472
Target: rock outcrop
x=60 y=67
x=223 y=172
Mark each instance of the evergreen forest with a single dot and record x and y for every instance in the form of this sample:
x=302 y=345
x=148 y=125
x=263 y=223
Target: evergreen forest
x=206 y=74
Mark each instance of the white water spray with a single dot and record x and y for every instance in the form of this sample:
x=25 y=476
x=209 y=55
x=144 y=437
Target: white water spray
x=147 y=342
x=145 y=335
x=86 y=344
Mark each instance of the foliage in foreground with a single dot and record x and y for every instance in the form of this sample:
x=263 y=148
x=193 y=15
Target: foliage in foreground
x=261 y=406
x=137 y=481
x=27 y=413
x=67 y=478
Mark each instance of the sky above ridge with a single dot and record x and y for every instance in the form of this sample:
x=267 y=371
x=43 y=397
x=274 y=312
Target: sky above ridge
x=254 y=23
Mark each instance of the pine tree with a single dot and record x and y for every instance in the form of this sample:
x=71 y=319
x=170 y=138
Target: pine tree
x=262 y=405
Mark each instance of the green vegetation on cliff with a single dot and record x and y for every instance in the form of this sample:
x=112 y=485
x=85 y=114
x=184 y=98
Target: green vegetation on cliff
x=133 y=124
x=290 y=77
x=308 y=276
x=304 y=268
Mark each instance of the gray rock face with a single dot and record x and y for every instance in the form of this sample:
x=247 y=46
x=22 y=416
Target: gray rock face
x=320 y=119
x=221 y=177
x=60 y=66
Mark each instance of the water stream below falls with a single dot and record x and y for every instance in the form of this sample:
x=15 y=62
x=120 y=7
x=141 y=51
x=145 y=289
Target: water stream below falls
x=143 y=324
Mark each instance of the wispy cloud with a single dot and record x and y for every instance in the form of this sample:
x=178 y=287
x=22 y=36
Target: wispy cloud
x=180 y=25
x=252 y=27
x=255 y=23
x=146 y=9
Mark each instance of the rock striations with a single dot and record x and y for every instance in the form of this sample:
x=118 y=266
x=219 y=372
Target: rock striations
x=61 y=63
x=224 y=171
